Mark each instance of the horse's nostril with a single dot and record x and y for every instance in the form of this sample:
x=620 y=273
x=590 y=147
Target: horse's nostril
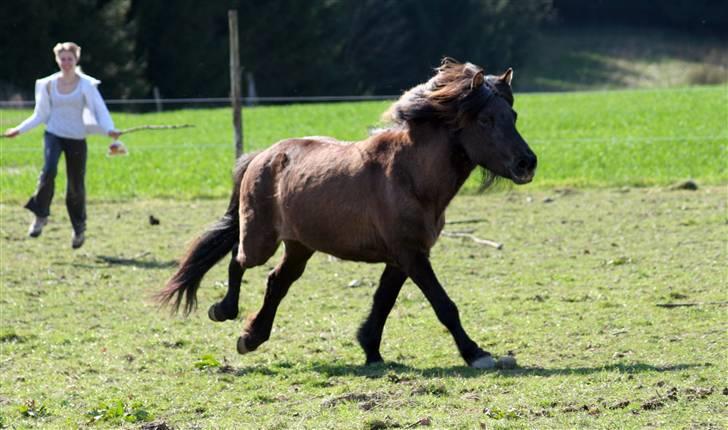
x=526 y=163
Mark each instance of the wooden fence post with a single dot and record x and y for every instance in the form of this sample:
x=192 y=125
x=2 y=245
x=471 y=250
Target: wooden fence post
x=157 y=99
x=235 y=82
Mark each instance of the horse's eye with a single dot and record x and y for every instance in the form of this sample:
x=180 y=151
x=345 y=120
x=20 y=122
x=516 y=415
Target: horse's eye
x=486 y=122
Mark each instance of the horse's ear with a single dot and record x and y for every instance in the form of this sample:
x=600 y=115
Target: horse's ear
x=478 y=80
x=507 y=76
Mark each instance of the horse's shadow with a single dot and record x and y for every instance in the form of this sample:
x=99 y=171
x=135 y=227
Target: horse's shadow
x=394 y=370
x=103 y=261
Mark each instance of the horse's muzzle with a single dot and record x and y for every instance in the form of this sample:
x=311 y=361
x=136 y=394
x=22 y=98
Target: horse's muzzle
x=524 y=169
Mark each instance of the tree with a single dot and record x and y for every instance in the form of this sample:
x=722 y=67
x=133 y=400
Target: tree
x=703 y=16
x=30 y=28
x=393 y=45
x=328 y=47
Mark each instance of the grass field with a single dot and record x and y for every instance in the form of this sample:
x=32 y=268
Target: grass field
x=638 y=137
x=573 y=294
x=591 y=248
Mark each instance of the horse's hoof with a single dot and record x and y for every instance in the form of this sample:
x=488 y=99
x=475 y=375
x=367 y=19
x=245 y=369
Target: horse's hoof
x=484 y=362
x=506 y=362
x=242 y=348
x=374 y=361
x=211 y=314
x=215 y=311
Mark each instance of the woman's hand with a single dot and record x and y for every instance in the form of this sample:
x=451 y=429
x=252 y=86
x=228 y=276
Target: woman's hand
x=11 y=132
x=114 y=134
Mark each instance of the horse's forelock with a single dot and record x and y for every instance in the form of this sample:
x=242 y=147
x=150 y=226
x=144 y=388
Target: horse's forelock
x=455 y=77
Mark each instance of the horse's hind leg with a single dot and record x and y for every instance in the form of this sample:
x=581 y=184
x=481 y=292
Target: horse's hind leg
x=257 y=329
x=370 y=332
x=227 y=308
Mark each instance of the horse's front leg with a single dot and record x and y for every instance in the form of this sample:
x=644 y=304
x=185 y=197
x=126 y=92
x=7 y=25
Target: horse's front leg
x=258 y=327
x=420 y=271
x=370 y=332
x=227 y=308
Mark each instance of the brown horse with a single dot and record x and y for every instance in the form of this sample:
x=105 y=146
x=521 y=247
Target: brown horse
x=381 y=200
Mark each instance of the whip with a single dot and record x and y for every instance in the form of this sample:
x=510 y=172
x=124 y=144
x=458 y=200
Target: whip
x=117 y=147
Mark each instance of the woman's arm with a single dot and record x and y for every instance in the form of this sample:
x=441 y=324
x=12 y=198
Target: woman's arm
x=103 y=118
x=40 y=113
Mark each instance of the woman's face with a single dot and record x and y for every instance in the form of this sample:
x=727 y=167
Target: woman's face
x=66 y=61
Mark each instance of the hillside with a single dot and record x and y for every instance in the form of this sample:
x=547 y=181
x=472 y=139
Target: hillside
x=597 y=59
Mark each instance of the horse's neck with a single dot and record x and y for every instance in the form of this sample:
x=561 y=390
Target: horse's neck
x=438 y=165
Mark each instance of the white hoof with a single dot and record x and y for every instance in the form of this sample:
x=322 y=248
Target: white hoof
x=485 y=362
x=242 y=349
x=506 y=362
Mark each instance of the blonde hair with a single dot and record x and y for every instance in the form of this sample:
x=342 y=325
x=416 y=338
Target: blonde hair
x=67 y=46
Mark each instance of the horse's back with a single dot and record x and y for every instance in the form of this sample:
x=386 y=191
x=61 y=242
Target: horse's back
x=318 y=191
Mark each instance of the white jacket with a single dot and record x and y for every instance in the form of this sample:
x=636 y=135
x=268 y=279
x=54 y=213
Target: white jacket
x=96 y=116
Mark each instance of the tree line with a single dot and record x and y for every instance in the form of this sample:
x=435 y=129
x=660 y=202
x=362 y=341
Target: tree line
x=298 y=48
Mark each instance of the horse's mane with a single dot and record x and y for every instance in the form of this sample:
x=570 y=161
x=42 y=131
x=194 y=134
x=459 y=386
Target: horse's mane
x=452 y=96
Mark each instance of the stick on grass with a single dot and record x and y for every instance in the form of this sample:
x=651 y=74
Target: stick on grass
x=155 y=127
x=474 y=238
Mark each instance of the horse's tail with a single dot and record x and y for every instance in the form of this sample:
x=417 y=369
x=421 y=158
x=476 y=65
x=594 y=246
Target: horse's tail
x=207 y=250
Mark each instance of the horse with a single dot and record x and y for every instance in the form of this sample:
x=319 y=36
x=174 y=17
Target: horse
x=380 y=200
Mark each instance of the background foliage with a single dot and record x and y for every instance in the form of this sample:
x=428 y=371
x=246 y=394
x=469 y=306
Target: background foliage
x=334 y=47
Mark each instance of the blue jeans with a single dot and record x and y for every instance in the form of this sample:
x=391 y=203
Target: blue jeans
x=75 y=151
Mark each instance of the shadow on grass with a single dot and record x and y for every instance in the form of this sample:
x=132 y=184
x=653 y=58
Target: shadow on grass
x=387 y=369
x=243 y=371
x=106 y=260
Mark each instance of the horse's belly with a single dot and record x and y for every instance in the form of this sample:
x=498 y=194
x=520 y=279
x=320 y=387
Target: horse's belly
x=344 y=235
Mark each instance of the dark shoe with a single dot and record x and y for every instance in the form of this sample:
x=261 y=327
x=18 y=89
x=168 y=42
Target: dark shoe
x=36 y=228
x=77 y=240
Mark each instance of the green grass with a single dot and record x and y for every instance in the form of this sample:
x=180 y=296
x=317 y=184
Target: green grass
x=637 y=137
x=573 y=294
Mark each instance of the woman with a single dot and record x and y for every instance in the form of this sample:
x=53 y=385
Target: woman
x=71 y=106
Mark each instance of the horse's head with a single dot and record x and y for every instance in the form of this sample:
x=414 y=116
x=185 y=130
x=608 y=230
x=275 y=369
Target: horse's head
x=478 y=111
x=489 y=135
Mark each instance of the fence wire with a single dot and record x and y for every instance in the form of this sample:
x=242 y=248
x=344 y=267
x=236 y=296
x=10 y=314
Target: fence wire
x=260 y=101
x=648 y=140
x=248 y=101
